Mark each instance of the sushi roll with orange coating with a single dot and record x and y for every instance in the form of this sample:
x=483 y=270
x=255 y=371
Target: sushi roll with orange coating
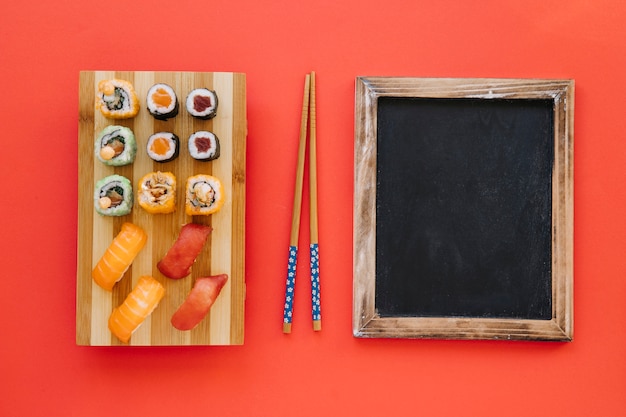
x=116 y=99
x=119 y=256
x=157 y=192
x=163 y=146
x=202 y=103
x=162 y=102
x=204 y=146
x=116 y=146
x=137 y=306
x=204 y=195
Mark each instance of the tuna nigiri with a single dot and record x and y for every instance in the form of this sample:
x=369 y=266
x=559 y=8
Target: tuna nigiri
x=119 y=255
x=178 y=260
x=138 y=305
x=199 y=301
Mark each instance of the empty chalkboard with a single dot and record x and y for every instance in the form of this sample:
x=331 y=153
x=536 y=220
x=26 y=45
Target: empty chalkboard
x=463 y=208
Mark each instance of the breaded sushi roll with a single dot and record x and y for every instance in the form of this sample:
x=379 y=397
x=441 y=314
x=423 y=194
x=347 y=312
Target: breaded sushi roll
x=113 y=196
x=163 y=146
x=202 y=103
x=116 y=99
x=115 y=146
x=157 y=192
x=162 y=102
x=204 y=146
x=204 y=195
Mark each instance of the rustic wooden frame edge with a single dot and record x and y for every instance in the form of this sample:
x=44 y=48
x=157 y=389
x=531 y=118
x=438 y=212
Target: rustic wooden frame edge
x=366 y=323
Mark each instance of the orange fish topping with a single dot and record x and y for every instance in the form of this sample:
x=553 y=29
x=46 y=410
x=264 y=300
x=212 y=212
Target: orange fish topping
x=161 y=98
x=160 y=146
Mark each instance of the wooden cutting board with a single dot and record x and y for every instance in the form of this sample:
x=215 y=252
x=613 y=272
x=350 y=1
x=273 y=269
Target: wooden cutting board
x=225 y=249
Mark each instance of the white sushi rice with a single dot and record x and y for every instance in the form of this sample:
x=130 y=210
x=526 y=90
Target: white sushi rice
x=202 y=94
x=158 y=109
x=203 y=145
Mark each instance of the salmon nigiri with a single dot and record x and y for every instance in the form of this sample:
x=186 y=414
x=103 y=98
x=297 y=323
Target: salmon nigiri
x=119 y=255
x=198 y=302
x=138 y=305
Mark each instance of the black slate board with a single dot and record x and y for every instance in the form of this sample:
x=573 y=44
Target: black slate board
x=463 y=207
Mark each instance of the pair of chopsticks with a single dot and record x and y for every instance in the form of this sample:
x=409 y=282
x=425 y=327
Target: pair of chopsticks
x=308 y=115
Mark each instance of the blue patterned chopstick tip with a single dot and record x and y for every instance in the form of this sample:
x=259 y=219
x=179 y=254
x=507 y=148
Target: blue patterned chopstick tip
x=290 y=285
x=315 y=282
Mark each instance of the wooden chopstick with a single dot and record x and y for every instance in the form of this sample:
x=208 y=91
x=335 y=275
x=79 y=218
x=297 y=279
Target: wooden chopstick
x=308 y=115
x=295 y=216
x=314 y=242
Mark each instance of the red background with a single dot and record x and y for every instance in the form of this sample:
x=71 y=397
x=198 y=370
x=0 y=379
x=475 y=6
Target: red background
x=44 y=46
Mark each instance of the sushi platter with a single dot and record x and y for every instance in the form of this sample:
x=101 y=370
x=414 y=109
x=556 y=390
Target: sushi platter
x=223 y=252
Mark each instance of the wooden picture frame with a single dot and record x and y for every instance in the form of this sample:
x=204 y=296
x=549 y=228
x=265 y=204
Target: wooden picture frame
x=370 y=96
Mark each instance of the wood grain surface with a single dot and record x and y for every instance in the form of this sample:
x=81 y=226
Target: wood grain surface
x=225 y=248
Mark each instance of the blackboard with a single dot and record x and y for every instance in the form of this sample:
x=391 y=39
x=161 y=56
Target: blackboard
x=463 y=208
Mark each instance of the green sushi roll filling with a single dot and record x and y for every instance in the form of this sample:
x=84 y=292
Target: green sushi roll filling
x=117 y=144
x=115 y=194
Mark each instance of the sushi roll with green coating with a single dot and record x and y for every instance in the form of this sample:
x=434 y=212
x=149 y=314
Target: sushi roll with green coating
x=162 y=102
x=115 y=146
x=163 y=146
x=116 y=99
x=204 y=195
x=204 y=146
x=113 y=196
x=202 y=103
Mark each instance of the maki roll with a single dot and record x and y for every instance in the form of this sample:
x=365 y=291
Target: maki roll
x=162 y=101
x=116 y=99
x=157 y=192
x=113 y=196
x=204 y=195
x=115 y=146
x=204 y=146
x=202 y=103
x=163 y=146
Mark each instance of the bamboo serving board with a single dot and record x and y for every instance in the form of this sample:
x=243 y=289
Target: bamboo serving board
x=224 y=251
